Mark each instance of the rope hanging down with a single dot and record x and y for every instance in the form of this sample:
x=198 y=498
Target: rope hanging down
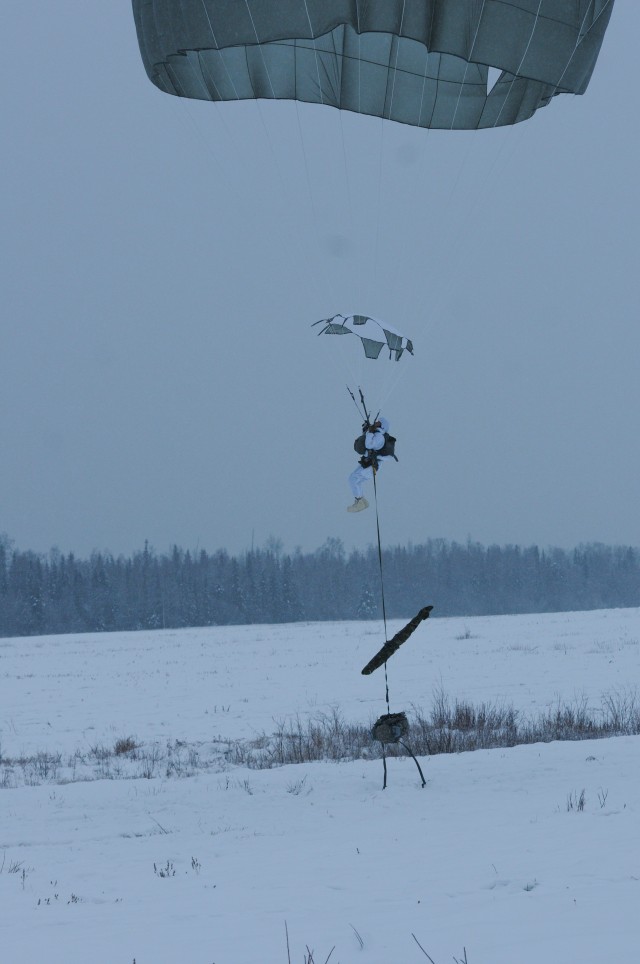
x=363 y=411
x=390 y=645
x=392 y=727
x=384 y=608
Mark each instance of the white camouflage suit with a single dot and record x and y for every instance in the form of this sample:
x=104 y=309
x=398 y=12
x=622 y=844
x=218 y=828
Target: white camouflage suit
x=374 y=441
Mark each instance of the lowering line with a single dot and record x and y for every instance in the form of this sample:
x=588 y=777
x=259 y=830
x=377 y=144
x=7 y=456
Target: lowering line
x=366 y=416
x=392 y=727
x=384 y=608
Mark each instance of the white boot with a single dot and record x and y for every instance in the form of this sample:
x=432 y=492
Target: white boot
x=360 y=504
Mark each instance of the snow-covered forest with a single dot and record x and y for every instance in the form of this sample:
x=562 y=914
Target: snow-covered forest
x=60 y=593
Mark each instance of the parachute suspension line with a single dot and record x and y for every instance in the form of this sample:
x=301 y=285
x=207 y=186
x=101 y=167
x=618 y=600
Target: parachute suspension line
x=187 y=119
x=508 y=94
x=590 y=6
x=215 y=43
x=384 y=388
x=230 y=78
x=466 y=156
x=468 y=61
x=359 y=57
x=281 y=178
x=257 y=99
x=519 y=134
x=397 y=42
x=352 y=220
x=482 y=188
x=217 y=101
x=344 y=151
x=363 y=413
x=526 y=51
x=522 y=60
x=379 y=202
x=384 y=608
x=210 y=86
x=315 y=49
x=259 y=43
x=578 y=41
x=381 y=160
x=314 y=211
x=268 y=137
x=208 y=18
x=342 y=135
x=454 y=244
x=495 y=123
x=360 y=242
x=427 y=130
x=390 y=383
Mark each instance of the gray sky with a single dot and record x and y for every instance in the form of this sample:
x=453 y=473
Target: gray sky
x=163 y=261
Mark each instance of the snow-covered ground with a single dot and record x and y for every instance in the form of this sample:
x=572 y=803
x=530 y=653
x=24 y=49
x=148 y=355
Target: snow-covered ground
x=495 y=855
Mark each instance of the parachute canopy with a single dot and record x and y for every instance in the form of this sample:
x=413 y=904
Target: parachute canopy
x=420 y=62
x=373 y=334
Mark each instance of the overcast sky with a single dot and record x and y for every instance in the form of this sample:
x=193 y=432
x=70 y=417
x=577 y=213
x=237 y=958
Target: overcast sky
x=163 y=262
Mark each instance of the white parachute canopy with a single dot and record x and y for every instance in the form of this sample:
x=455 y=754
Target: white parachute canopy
x=374 y=335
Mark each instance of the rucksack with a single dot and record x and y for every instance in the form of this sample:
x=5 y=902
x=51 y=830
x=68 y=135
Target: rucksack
x=389 y=447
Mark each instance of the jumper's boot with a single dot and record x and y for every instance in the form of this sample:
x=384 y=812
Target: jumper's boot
x=360 y=504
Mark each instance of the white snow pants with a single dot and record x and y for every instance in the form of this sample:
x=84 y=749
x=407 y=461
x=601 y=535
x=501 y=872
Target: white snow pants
x=358 y=477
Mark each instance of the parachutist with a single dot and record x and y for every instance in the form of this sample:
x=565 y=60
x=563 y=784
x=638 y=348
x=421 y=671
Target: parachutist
x=375 y=446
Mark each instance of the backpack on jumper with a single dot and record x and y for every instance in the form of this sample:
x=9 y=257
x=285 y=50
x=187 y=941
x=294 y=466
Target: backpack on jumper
x=389 y=447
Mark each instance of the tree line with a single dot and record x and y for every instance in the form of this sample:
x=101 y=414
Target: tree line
x=57 y=593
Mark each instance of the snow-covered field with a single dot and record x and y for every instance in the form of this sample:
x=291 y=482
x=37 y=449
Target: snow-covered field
x=495 y=855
